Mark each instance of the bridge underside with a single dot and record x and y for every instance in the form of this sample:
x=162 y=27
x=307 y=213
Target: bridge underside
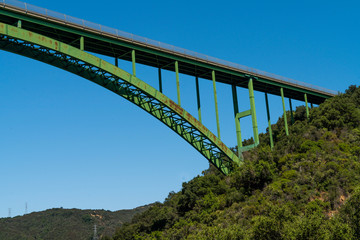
x=68 y=43
x=61 y=55
x=156 y=57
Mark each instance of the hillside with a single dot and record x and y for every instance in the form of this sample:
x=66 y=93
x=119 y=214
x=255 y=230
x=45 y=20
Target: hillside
x=69 y=224
x=307 y=187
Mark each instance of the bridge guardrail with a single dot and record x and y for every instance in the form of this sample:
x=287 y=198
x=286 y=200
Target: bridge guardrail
x=66 y=19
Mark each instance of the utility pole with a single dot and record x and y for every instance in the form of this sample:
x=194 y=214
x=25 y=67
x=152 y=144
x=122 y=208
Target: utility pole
x=95 y=233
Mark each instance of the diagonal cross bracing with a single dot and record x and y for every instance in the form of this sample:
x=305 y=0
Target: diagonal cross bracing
x=88 y=66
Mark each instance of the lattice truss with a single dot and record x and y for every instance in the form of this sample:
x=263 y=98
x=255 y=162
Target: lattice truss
x=130 y=92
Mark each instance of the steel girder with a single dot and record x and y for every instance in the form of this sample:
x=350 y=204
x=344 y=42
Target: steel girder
x=88 y=66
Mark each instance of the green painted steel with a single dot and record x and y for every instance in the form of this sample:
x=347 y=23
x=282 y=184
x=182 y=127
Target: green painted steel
x=133 y=60
x=120 y=46
x=116 y=62
x=284 y=109
x=238 y=134
x=160 y=80
x=66 y=57
x=291 y=112
x=269 y=121
x=238 y=115
x=177 y=82
x=235 y=100
x=282 y=85
x=82 y=43
x=306 y=106
x=247 y=148
x=253 y=111
x=237 y=121
x=244 y=114
x=216 y=104
x=146 y=49
x=242 y=148
x=198 y=97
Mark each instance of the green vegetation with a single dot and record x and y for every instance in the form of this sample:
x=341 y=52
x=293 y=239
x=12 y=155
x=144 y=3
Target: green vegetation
x=60 y=224
x=307 y=187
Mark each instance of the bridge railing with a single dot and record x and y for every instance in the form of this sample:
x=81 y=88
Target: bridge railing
x=69 y=20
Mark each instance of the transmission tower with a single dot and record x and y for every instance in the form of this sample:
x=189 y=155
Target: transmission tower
x=9 y=213
x=95 y=233
x=26 y=208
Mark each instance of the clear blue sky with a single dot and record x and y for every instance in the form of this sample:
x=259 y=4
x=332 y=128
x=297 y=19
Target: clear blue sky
x=66 y=142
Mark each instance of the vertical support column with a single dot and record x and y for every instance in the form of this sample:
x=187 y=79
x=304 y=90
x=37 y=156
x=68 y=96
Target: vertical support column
x=82 y=43
x=160 y=80
x=19 y=23
x=253 y=111
x=198 y=97
x=177 y=82
x=311 y=104
x=237 y=121
x=285 y=118
x=291 y=112
x=216 y=105
x=269 y=121
x=116 y=62
x=133 y=62
x=306 y=106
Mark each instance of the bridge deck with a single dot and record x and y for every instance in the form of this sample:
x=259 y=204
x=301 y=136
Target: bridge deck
x=115 y=43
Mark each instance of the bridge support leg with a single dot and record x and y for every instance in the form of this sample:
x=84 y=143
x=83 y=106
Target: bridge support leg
x=285 y=118
x=82 y=47
x=291 y=112
x=253 y=111
x=269 y=121
x=133 y=62
x=116 y=62
x=306 y=106
x=216 y=104
x=311 y=104
x=198 y=97
x=160 y=80
x=177 y=82
x=19 y=23
x=237 y=121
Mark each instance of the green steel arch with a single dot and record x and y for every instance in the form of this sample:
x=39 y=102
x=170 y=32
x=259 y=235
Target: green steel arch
x=61 y=55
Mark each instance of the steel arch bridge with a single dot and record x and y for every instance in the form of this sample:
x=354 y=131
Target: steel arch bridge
x=68 y=43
